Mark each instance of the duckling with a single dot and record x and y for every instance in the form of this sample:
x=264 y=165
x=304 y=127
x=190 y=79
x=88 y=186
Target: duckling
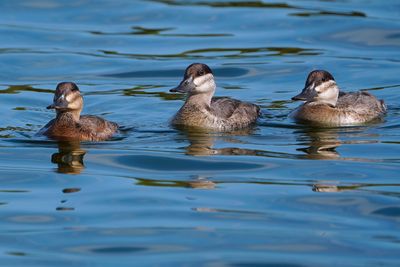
x=325 y=105
x=202 y=110
x=69 y=124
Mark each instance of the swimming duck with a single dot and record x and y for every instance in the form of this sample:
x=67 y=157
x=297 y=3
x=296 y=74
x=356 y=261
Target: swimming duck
x=203 y=110
x=69 y=124
x=325 y=105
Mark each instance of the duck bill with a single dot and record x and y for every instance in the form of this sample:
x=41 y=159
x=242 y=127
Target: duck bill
x=185 y=86
x=59 y=103
x=306 y=94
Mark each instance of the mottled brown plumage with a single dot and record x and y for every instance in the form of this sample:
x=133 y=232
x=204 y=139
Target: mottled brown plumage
x=203 y=111
x=325 y=105
x=69 y=125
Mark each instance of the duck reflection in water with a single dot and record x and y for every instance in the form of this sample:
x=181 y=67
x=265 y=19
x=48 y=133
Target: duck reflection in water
x=69 y=157
x=335 y=188
x=322 y=143
x=63 y=203
x=202 y=142
x=200 y=182
x=195 y=182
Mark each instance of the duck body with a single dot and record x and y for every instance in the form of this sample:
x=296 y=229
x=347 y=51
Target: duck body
x=325 y=105
x=202 y=110
x=69 y=124
x=223 y=114
x=87 y=128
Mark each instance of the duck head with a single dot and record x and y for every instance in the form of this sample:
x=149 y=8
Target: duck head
x=320 y=87
x=198 y=79
x=67 y=97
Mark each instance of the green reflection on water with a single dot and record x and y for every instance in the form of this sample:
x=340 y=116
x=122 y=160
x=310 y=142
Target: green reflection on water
x=16 y=89
x=140 y=90
x=142 y=30
x=239 y=4
x=139 y=30
x=232 y=53
x=330 y=13
x=17 y=253
x=12 y=129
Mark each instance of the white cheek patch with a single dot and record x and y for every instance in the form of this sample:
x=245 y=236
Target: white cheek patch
x=204 y=83
x=323 y=87
x=76 y=103
x=328 y=93
x=70 y=97
x=199 y=81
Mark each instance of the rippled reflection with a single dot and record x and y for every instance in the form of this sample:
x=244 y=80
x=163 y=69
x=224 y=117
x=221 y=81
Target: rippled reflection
x=243 y=52
x=202 y=183
x=69 y=157
x=330 y=188
x=322 y=143
x=238 y=4
x=16 y=89
x=202 y=142
x=197 y=182
x=388 y=190
x=64 y=203
x=17 y=253
x=330 y=13
x=138 y=30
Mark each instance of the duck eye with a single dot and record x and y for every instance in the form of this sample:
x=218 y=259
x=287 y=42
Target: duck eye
x=201 y=73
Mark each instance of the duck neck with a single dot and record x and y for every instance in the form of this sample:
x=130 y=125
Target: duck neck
x=203 y=94
x=200 y=99
x=68 y=116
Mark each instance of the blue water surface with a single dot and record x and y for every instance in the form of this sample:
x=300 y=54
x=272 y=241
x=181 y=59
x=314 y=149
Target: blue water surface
x=279 y=194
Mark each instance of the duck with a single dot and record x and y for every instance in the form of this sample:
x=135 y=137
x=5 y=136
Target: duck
x=202 y=110
x=69 y=124
x=326 y=105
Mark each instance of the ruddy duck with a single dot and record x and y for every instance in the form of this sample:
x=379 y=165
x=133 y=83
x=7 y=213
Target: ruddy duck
x=69 y=124
x=325 y=105
x=203 y=111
